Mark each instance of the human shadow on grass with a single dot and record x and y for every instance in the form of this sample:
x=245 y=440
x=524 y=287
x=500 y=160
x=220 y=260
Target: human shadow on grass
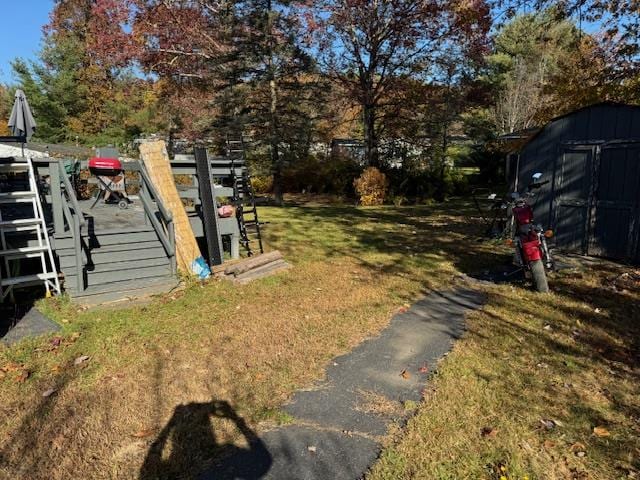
x=189 y=440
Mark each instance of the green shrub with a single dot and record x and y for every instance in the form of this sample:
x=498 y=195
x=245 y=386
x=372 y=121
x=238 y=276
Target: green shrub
x=320 y=174
x=262 y=183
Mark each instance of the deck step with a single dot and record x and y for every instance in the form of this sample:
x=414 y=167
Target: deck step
x=100 y=255
x=17 y=194
x=103 y=240
x=116 y=267
x=28 y=279
x=99 y=278
x=115 y=248
x=14 y=167
x=123 y=287
x=124 y=291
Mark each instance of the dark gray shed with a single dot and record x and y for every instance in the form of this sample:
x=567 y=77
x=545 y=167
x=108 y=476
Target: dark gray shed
x=592 y=159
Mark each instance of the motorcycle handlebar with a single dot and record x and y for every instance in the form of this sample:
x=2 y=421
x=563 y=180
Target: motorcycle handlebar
x=538 y=184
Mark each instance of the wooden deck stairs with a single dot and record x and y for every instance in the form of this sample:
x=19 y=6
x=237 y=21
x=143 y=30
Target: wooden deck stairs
x=107 y=254
x=117 y=263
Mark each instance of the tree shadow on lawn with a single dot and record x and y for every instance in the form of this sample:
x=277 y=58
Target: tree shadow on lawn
x=415 y=236
x=17 y=449
x=602 y=342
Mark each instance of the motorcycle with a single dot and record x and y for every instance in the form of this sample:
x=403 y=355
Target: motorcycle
x=528 y=238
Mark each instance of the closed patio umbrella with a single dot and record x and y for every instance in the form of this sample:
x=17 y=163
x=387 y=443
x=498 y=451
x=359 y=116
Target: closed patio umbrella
x=21 y=122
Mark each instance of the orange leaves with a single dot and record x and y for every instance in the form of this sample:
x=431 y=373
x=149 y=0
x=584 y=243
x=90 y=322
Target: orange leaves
x=21 y=373
x=601 y=432
x=371 y=187
x=143 y=433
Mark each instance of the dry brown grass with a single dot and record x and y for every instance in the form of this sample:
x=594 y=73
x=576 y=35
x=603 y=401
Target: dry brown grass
x=570 y=357
x=159 y=373
x=372 y=402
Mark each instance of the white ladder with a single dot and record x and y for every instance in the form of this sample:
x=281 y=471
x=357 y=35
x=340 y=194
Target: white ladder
x=32 y=223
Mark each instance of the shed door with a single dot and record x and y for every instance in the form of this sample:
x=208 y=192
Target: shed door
x=616 y=202
x=574 y=174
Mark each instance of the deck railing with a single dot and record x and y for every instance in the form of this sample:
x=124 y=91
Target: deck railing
x=67 y=214
x=160 y=218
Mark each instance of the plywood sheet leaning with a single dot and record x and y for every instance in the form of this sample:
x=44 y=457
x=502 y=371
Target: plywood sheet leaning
x=156 y=160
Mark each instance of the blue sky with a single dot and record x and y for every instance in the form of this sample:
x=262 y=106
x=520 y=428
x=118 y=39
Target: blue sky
x=20 y=31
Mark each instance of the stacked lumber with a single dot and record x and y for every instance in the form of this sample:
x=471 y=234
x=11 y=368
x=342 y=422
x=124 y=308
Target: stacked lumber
x=252 y=268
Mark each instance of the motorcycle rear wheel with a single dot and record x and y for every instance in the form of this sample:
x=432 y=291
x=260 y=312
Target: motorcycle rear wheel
x=539 y=276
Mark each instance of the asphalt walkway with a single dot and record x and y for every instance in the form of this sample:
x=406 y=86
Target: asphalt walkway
x=340 y=422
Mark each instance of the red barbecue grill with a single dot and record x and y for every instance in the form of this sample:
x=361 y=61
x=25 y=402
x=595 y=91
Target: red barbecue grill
x=110 y=177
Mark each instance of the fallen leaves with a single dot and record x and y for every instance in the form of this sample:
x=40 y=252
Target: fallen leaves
x=81 y=359
x=405 y=374
x=550 y=424
x=56 y=342
x=23 y=376
x=49 y=392
x=488 y=432
x=22 y=373
x=601 y=432
x=11 y=367
x=142 y=433
x=578 y=449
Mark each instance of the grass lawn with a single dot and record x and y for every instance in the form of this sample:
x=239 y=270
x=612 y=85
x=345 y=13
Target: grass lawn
x=245 y=349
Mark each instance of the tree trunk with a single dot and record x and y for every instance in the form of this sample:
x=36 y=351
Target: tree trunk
x=276 y=163
x=440 y=192
x=371 y=153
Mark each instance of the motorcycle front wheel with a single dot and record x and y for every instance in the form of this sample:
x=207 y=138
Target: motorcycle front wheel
x=539 y=276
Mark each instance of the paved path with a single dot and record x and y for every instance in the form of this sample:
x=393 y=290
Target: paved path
x=32 y=324
x=339 y=423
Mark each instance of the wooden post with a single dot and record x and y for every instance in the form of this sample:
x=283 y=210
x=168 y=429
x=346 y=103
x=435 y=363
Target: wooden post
x=235 y=245
x=209 y=208
x=55 y=169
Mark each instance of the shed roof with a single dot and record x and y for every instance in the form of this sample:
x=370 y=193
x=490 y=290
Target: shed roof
x=519 y=139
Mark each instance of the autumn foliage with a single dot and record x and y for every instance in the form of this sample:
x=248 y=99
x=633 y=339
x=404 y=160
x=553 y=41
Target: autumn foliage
x=371 y=187
x=405 y=79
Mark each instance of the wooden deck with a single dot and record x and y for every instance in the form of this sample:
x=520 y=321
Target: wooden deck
x=110 y=218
